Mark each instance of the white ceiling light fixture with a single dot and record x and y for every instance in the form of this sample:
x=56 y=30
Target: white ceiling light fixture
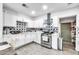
x=33 y=12
x=45 y=7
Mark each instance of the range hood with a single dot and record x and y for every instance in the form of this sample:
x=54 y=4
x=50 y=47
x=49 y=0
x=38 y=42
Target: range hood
x=48 y=24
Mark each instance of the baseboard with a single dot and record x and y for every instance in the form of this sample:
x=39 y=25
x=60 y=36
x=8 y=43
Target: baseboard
x=36 y=43
x=30 y=43
x=27 y=44
x=24 y=45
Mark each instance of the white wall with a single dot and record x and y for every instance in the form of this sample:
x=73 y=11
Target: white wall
x=77 y=32
x=68 y=20
x=56 y=16
x=1 y=22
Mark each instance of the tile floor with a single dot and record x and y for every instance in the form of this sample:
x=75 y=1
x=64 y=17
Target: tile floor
x=36 y=49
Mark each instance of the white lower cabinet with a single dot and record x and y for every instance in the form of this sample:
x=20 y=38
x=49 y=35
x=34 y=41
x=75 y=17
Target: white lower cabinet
x=37 y=37
x=24 y=39
x=54 y=41
x=77 y=44
x=28 y=37
x=18 y=40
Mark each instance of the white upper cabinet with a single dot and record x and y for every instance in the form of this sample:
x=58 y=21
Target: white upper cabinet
x=39 y=22
x=26 y=19
x=9 y=19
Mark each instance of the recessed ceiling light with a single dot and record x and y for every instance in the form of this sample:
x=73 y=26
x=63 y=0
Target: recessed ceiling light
x=44 y=7
x=33 y=12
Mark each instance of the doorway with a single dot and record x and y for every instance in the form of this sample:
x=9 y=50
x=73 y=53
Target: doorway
x=68 y=32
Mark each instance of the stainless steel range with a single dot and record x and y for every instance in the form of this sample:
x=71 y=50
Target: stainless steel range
x=46 y=36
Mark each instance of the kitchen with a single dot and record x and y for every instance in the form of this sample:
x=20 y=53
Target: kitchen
x=20 y=30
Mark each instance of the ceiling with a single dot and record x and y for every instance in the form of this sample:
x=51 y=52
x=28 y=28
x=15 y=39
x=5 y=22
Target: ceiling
x=52 y=7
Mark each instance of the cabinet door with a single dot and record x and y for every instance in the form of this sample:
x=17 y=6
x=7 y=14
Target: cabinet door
x=37 y=37
x=54 y=41
x=9 y=19
x=28 y=37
